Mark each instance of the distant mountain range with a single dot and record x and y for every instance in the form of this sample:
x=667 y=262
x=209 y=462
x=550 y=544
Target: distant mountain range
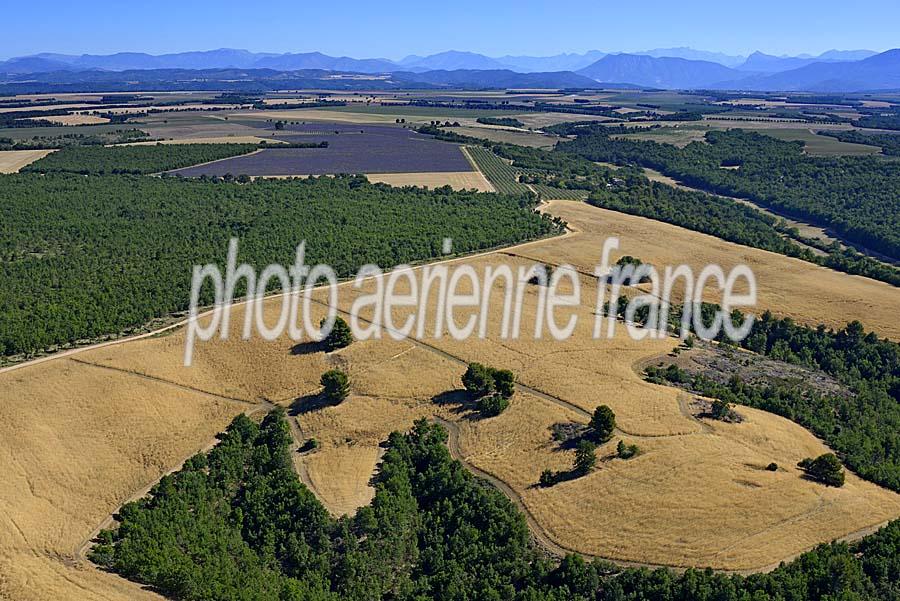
x=766 y=63
x=662 y=72
x=257 y=80
x=686 y=68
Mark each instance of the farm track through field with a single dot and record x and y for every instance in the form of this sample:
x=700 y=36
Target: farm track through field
x=163 y=381
x=539 y=535
x=567 y=405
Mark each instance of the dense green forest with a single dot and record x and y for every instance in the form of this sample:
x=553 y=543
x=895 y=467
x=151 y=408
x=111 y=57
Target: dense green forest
x=136 y=160
x=237 y=524
x=889 y=143
x=82 y=256
x=859 y=197
x=890 y=120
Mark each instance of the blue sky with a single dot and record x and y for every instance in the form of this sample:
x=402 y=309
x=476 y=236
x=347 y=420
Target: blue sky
x=380 y=28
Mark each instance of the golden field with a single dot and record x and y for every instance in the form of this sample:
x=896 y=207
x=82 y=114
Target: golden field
x=13 y=160
x=86 y=431
x=77 y=119
x=458 y=180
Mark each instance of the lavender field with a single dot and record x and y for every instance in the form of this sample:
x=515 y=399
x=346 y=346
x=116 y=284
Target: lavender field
x=351 y=149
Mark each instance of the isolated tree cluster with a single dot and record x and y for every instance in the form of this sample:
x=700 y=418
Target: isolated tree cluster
x=490 y=388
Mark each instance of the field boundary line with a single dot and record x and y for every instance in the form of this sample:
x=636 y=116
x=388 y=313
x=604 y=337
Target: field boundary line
x=144 y=376
x=465 y=150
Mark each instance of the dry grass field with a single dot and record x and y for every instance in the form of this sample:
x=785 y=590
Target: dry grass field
x=186 y=125
x=13 y=160
x=78 y=440
x=84 y=432
x=77 y=119
x=319 y=115
x=458 y=180
x=786 y=286
x=45 y=107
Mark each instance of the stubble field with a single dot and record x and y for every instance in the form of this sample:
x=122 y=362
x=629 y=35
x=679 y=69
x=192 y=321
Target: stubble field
x=13 y=160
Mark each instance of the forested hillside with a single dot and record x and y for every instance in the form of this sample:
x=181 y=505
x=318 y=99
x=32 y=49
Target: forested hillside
x=237 y=524
x=859 y=197
x=82 y=256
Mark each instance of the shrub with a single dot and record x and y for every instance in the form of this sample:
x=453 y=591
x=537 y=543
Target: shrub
x=720 y=409
x=478 y=380
x=602 y=423
x=548 y=478
x=504 y=382
x=826 y=469
x=335 y=386
x=340 y=336
x=481 y=380
x=492 y=404
x=626 y=451
x=772 y=467
x=585 y=457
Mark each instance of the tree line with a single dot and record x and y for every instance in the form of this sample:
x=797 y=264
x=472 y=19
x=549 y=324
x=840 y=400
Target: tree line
x=627 y=190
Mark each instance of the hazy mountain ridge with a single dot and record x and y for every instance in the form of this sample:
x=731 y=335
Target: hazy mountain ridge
x=228 y=58
x=832 y=71
x=663 y=72
x=260 y=80
x=878 y=72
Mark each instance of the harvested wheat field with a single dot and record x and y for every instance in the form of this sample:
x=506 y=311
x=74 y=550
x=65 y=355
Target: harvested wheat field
x=458 y=180
x=84 y=432
x=13 y=160
x=788 y=287
x=78 y=441
x=77 y=119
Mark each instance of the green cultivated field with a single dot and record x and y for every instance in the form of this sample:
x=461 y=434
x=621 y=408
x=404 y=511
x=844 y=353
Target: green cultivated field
x=818 y=145
x=503 y=176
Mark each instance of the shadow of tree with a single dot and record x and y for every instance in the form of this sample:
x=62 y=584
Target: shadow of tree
x=560 y=477
x=567 y=435
x=459 y=403
x=306 y=404
x=308 y=348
